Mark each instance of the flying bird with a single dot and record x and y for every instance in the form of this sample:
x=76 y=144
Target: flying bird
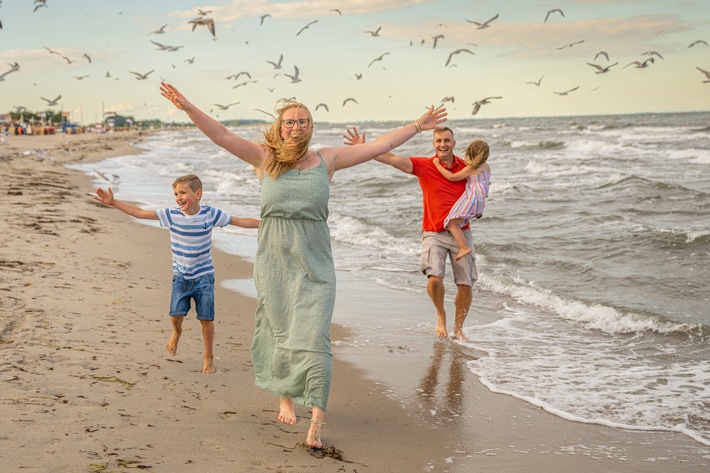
x=707 y=74
x=652 y=53
x=50 y=50
x=165 y=47
x=338 y=12
x=478 y=103
x=601 y=53
x=571 y=44
x=322 y=105
x=485 y=24
x=203 y=12
x=350 y=99
x=358 y=76
x=296 y=75
x=697 y=41
x=52 y=103
x=448 y=99
x=458 y=51
x=160 y=30
x=306 y=27
x=225 y=107
x=69 y=61
x=2 y=76
x=238 y=75
x=554 y=10
x=190 y=60
x=208 y=22
x=140 y=76
x=641 y=65
x=379 y=58
x=245 y=83
x=87 y=57
x=536 y=83
x=263 y=17
x=80 y=77
x=277 y=65
x=374 y=33
x=602 y=69
x=566 y=91
x=436 y=39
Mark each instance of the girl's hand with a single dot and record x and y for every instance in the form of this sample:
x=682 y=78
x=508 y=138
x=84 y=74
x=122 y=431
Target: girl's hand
x=174 y=95
x=353 y=137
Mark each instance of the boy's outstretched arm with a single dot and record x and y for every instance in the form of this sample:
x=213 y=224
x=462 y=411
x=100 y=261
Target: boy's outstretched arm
x=245 y=222
x=106 y=198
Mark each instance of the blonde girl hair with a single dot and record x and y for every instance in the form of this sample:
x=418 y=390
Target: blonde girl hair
x=285 y=154
x=477 y=153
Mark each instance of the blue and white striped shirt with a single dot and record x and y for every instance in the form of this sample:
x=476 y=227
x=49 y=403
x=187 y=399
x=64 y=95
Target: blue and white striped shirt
x=191 y=238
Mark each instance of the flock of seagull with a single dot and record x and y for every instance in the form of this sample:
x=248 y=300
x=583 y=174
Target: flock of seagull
x=202 y=19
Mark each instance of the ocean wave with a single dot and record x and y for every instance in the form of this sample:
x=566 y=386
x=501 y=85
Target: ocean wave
x=350 y=230
x=594 y=316
x=544 y=144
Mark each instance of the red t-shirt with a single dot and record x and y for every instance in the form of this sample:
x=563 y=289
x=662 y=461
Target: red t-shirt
x=438 y=193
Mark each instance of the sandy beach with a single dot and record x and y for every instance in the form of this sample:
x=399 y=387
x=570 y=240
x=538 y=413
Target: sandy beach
x=87 y=385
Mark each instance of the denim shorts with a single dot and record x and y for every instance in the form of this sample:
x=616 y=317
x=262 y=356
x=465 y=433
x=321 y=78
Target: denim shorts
x=201 y=289
x=437 y=248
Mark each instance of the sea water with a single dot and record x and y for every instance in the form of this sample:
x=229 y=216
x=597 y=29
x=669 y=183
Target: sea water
x=593 y=251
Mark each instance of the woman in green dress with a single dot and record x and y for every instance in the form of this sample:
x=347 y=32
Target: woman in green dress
x=294 y=273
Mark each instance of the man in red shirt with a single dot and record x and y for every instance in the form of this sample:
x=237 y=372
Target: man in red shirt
x=439 y=195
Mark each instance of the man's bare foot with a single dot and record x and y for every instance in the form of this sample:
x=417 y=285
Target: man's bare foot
x=459 y=335
x=462 y=252
x=287 y=412
x=441 y=327
x=209 y=366
x=172 y=344
x=313 y=438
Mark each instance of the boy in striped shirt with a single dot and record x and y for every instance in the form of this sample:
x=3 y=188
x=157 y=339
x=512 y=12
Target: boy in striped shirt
x=190 y=225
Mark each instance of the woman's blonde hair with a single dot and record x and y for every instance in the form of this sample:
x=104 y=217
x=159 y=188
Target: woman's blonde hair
x=477 y=153
x=286 y=153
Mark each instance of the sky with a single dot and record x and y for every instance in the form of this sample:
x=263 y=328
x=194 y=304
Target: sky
x=392 y=75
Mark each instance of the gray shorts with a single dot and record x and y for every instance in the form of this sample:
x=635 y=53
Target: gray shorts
x=436 y=247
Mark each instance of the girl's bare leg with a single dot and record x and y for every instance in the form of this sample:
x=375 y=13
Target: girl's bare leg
x=317 y=422
x=455 y=229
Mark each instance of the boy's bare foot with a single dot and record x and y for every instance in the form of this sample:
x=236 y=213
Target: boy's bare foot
x=209 y=366
x=441 y=327
x=462 y=252
x=287 y=412
x=172 y=344
x=313 y=438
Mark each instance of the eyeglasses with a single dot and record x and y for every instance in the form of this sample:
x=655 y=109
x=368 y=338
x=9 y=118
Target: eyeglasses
x=302 y=122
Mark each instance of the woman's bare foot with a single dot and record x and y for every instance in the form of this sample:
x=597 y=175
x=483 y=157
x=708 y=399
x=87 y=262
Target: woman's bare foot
x=172 y=344
x=287 y=412
x=208 y=367
x=459 y=335
x=313 y=438
x=441 y=327
x=462 y=252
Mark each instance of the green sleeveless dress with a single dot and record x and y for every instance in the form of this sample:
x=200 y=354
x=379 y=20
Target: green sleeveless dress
x=294 y=277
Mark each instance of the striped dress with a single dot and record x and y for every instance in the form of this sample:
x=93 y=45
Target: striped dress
x=473 y=200
x=294 y=277
x=191 y=238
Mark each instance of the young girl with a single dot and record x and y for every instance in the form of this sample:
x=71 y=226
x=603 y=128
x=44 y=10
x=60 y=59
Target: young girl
x=473 y=200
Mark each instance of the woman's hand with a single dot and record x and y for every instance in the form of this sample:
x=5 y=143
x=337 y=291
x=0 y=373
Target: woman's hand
x=353 y=137
x=432 y=118
x=174 y=95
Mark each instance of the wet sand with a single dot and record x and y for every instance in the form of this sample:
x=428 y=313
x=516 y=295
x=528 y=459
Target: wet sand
x=87 y=385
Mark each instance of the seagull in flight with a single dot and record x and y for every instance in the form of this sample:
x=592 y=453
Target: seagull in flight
x=225 y=107
x=652 y=53
x=379 y=58
x=87 y=57
x=536 y=83
x=263 y=17
x=50 y=50
x=358 y=76
x=458 y=51
x=350 y=99
x=238 y=75
x=208 y=22
x=566 y=91
x=322 y=105
x=306 y=27
x=554 y=10
x=277 y=65
x=448 y=99
x=165 y=47
x=436 y=39
x=203 y=12
x=160 y=30
x=245 y=83
x=140 y=76
x=2 y=76
x=571 y=44
x=477 y=104
x=52 y=103
x=485 y=24
x=640 y=65
x=602 y=69
x=339 y=13
x=707 y=74
x=697 y=41
x=375 y=32
x=601 y=53
x=296 y=75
